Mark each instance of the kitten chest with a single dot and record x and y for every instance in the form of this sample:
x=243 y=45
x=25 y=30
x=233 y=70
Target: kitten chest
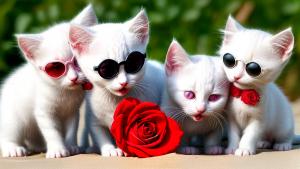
x=243 y=113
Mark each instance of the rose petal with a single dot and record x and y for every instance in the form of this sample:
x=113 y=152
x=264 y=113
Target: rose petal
x=169 y=144
x=159 y=118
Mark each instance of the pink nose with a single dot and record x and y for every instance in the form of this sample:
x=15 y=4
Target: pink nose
x=124 y=84
x=201 y=109
x=237 y=77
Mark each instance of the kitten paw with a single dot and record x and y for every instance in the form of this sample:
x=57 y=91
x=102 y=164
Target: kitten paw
x=111 y=151
x=264 y=145
x=57 y=153
x=214 y=150
x=230 y=150
x=243 y=152
x=74 y=150
x=188 y=150
x=282 y=146
x=92 y=150
x=14 y=151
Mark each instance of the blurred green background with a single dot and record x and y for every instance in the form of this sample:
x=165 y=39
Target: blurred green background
x=194 y=23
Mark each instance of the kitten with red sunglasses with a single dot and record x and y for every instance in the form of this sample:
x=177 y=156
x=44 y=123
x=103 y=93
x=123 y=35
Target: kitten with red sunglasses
x=40 y=100
x=113 y=57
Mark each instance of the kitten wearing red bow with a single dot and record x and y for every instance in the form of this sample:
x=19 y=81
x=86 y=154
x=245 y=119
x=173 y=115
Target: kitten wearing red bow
x=259 y=113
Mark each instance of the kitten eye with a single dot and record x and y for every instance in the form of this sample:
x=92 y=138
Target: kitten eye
x=214 y=97
x=189 y=95
x=228 y=60
x=253 y=69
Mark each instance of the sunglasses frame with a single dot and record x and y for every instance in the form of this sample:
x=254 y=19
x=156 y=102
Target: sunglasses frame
x=69 y=62
x=245 y=67
x=96 y=68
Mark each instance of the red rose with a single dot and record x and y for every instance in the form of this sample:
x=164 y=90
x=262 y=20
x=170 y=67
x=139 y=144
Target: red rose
x=250 y=97
x=141 y=129
x=234 y=91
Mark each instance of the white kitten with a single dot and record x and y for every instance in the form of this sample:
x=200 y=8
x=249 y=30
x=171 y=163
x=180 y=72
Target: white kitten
x=196 y=94
x=118 y=42
x=39 y=112
x=253 y=59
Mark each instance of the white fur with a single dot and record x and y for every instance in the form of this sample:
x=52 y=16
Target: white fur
x=39 y=113
x=272 y=119
x=204 y=76
x=114 y=41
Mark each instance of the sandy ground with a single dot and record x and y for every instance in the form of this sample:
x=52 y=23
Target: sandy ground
x=263 y=160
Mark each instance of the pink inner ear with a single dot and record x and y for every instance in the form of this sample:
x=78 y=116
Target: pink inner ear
x=171 y=64
x=140 y=27
x=283 y=45
x=79 y=39
x=28 y=46
x=23 y=44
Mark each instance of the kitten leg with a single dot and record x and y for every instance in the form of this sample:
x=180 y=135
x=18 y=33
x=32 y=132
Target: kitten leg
x=212 y=143
x=51 y=134
x=264 y=144
x=283 y=144
x=11 y=135
x=284 y=136
x=11 y=149
x=252 y=134
x=101 y=137
x=10 y=146
x=71 y=135
x=233 y=137
x=185 y=147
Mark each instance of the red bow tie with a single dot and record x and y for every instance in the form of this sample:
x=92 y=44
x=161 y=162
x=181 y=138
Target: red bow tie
x=248 y=96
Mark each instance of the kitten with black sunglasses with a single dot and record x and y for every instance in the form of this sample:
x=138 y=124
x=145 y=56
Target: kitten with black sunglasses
x=40 y=100
x=259 y=114
x=113 y=58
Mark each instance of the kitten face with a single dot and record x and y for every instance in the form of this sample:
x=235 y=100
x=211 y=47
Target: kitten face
x=52 y=46
x=111 y=41
x=270 y=52
x=199 y=87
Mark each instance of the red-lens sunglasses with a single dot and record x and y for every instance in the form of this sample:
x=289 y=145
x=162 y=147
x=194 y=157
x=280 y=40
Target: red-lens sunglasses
x=57 y=69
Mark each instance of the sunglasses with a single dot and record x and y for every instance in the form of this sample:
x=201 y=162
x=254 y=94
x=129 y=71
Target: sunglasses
x=109 y=68
x=57 y=69
x=252 y=68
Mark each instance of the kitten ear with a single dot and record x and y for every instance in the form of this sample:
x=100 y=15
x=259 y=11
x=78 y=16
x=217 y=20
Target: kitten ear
x=139 y=25
x=283 y=43
x=86 y=17
x=29 y=43
x=232 y=26
x=176 y=58
x=79 y=38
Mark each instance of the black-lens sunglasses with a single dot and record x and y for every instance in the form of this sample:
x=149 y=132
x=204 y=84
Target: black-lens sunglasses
x=109 y=68
x=252 y=68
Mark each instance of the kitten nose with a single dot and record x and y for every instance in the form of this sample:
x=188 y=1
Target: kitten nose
x=201 y=109
x=124 y=84
x=237 y=77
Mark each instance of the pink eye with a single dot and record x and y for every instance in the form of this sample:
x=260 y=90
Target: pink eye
x=214 y=97
x=189 y=94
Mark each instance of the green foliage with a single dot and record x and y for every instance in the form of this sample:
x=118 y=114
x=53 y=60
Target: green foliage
x=195 y=24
